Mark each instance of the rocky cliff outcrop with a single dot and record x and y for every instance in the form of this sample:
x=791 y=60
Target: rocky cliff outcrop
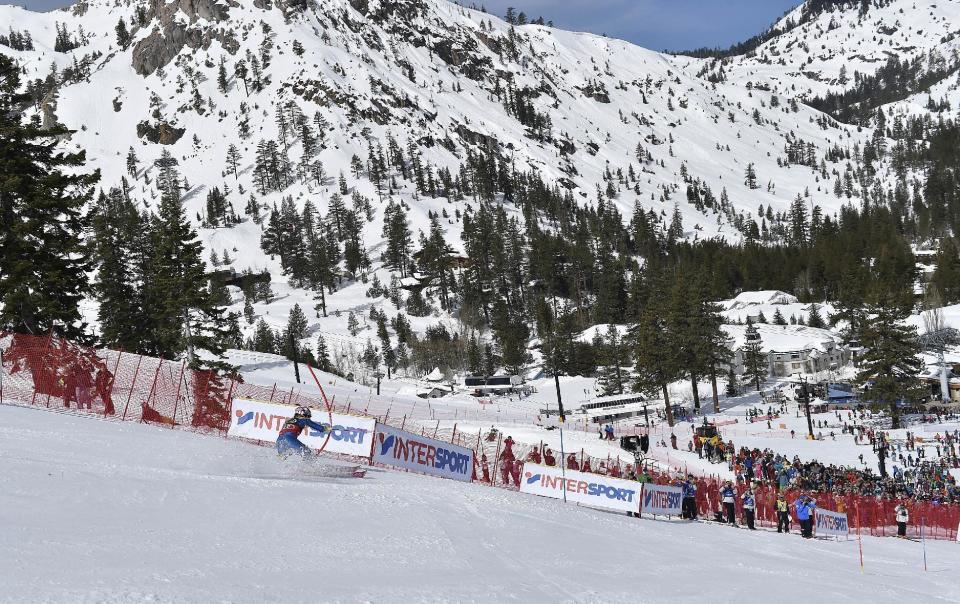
x=170 y=34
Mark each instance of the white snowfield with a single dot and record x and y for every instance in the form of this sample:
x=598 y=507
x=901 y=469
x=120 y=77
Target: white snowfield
x=99 y=511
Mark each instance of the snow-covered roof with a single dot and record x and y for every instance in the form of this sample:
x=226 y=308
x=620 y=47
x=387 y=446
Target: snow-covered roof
x=615 y=398
x=759 y=297
x=785 y=338
x=601 y=329
x=766 y=303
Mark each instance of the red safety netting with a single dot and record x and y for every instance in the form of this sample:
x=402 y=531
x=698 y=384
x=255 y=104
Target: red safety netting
x=54 y=373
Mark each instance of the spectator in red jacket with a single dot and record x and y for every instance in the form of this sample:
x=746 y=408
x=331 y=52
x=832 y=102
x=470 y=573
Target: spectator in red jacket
x=506 y=467
x=548 y=458
x=508 y=448
x=534 y=456
x=572 y=462
x=515 y=472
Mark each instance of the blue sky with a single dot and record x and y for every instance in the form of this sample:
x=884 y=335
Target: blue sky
x=656 y=24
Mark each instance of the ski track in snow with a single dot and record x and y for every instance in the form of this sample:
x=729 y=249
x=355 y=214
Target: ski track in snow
x=96 y=511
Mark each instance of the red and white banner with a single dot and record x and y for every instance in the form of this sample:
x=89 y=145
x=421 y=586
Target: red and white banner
x=257 y=420
x=588 y=489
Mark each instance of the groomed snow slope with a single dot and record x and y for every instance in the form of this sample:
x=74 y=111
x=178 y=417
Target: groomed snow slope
x=96 y=511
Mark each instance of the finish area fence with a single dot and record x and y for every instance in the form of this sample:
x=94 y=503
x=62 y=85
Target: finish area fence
x=47 y=372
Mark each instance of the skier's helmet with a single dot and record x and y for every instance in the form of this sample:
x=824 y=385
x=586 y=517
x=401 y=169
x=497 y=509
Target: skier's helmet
x=302 y=412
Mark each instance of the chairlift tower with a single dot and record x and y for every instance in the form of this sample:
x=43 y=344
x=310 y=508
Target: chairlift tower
x=936 y=339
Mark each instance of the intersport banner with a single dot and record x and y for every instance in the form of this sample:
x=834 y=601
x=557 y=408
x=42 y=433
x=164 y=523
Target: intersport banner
x=662 y=500
x=830 y=524
x=589 y=489
x=394 y=447
x=351 y=435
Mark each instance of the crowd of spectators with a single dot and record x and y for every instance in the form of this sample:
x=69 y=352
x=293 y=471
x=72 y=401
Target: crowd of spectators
x=922 y=480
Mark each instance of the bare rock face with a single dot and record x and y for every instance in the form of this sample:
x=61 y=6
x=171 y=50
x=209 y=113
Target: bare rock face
x=169 y=37
x=162 y=133
x=48 y=108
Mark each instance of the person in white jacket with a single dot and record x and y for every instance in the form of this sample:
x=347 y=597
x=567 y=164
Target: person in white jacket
x=903 y=517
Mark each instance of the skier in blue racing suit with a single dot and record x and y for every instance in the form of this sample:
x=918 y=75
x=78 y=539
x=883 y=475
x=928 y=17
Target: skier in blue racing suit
x=287 y=442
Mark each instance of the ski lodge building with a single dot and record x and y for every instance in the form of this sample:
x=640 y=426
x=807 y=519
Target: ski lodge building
x=789 y=349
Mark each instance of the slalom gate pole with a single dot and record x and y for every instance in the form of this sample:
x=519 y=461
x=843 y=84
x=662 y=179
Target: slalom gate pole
x=859 y=539
x=923 y=541
x=317 y=381
x=563 y=462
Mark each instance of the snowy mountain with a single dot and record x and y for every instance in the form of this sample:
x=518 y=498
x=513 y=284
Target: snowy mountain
x=388 y=99
x=827 y=47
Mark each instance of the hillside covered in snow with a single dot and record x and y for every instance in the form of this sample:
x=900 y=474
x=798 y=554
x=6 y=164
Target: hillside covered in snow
x=394 y=172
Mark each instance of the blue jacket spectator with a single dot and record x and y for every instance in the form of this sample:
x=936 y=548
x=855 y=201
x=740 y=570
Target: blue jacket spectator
x=804 y=507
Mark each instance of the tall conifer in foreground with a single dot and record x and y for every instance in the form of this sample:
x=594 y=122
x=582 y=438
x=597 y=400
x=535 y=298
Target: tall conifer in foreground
x=43 y=190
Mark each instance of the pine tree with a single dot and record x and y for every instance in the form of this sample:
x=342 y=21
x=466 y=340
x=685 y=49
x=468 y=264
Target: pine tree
x=263 y=338
x=750 y=177
x=754 y=361
x=434 y=261
x=612 y=374
x=240 y=71
x=115 y=224
x=397 y=234
x=732 y=386
x=248 y=313
x=354 y=252
x=123 y=36
x=815 y=319
x=43 y=191
x=222 y=85
x=295 y=331
x=890 y=364
x=778 y=318
x=323 y=355
x=336 y=213
x=252 y=209
x=512 y=334
x=189 y=317
x=946 y=275
x=711 y=342
x=322 y=259
x=132 y=163
x=655 y=345
x=474 y=355
x=233 y=159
